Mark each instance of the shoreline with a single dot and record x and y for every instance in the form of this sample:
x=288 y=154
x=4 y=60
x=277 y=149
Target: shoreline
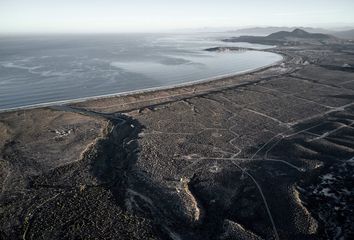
x=153 y=89
x=204 y=157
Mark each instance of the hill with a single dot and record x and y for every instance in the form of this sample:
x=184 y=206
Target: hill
x=295 y=37
x=264 y=31
x=298 y=33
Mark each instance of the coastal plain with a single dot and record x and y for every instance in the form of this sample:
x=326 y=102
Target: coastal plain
x=263 y=155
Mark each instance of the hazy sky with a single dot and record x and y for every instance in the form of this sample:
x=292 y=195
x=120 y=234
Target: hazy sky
x=159 y=15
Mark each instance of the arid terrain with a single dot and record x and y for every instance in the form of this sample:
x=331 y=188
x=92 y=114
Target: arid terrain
x=264 y=155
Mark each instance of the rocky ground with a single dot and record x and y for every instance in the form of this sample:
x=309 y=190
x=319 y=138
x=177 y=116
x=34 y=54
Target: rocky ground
x=265 y=155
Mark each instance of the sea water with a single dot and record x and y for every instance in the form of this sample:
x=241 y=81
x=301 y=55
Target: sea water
x=45 y=69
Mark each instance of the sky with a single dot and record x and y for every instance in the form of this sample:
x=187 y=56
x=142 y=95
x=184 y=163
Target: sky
x=73 y=16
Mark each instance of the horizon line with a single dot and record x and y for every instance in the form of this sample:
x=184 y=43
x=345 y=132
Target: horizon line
x=204 y=29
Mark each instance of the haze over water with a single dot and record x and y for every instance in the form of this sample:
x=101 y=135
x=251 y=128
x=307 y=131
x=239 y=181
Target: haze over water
x=42 y=69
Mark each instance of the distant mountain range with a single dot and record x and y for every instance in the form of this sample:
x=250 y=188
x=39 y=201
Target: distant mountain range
x=297 y=33
x=263 y=31
x=295 y=37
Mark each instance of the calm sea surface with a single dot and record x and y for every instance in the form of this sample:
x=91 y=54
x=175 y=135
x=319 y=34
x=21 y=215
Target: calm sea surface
x=43 y=69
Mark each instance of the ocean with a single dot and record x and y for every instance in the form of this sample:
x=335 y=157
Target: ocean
x=47 y=69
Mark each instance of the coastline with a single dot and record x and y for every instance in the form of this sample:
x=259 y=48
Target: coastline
x=151 y=90
x=246 y=155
